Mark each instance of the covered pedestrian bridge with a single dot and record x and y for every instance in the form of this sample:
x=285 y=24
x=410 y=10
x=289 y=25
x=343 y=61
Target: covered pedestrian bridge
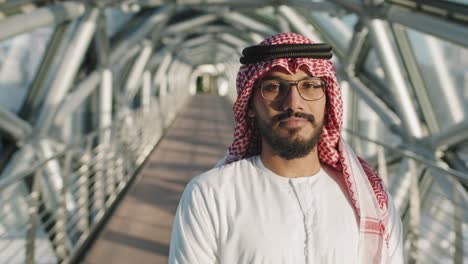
x=109 y=107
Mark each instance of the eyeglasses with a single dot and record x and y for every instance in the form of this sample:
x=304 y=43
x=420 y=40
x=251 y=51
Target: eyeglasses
x=277 y=89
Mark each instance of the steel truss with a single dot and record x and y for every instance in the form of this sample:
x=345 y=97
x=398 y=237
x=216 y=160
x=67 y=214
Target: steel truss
x=99 y=103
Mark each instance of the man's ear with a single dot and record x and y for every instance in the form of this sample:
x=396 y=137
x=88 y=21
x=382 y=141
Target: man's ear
x=250 y=109
x=250 y=112
x=250 y=105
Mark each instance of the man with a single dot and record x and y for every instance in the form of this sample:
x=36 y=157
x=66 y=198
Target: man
x=289 y=190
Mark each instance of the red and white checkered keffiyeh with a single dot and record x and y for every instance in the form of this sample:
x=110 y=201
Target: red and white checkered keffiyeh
x=372 y=210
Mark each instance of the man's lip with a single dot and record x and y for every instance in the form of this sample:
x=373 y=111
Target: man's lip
x=293 y=121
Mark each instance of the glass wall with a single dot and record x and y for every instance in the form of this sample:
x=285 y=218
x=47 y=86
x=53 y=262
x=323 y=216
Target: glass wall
x=20 y=58
x=444 y=68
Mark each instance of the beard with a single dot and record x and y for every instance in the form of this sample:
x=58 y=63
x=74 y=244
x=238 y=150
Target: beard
x=288 y=147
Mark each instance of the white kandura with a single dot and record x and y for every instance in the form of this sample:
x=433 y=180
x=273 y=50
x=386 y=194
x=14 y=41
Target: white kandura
x=244 y=213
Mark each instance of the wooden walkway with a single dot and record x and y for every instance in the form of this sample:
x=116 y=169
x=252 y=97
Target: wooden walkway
x=140 y=229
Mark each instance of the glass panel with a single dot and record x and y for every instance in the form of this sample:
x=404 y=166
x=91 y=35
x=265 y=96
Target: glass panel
x=116 y=19
x=444 y=68
x=463 y=2
x=1 y=149
x=373 y=65
x=267 y=11
x=350 y=20
x=463 y=153
x=19 y=61
x=339 y=29
x=371 y=126
x=14 y=225
x=368 y=124
x=373 y=68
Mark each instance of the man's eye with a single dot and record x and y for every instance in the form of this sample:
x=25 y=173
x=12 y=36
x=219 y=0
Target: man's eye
x=309 y=85
x=271 y=87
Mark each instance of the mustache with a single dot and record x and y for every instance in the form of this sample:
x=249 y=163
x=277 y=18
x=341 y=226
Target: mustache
x=290 y=113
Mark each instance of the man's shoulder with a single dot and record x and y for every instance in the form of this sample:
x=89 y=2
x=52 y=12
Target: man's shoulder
x=223 y=176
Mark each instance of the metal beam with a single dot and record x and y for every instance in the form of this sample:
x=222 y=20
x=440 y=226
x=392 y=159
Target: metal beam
x=105 y=106
x=373 y=2
x=283 y=24
x=450 y=10
x=456 y=33
x=196 y=41
x=161 y=72
x=226 y=49
x=201 y=3
x=120 y=50
x=20 y=162
x=450 y=31
x=77 y=97
x=212 y=29
x=241 y=4
x=319 y=6
x=205 y=44
x=102 y=42
x=415 y=76
x=398 y=86
x=262 y=18
x=121 y=62
x=42 y=17
x=419 y=154
x=205 y=49
x=351 y=5
x=356 y=48
x=39 y=85
x=234 y=40
x=323 y=24
x=350 y=110
x=146 y=91
x=105 y=95
x=67 y=71
x=8 y=8
x=190 y=24
x=134 y=79
x=387 y=115
x=155 y=60
x=297 y=21
x=209 y=53
x=236 y=19
x=256 y=38
x=444 y=78
x=451 y=136
x=13 y=126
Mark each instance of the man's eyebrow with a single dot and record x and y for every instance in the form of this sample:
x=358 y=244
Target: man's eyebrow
x=279 y=78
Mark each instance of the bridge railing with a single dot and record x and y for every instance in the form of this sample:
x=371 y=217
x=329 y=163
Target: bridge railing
x=52 y=209
x=431 y=199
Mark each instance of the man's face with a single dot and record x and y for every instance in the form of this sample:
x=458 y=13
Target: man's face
x=291 y=127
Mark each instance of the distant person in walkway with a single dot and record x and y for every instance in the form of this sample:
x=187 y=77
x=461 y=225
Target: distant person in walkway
x=289 y=189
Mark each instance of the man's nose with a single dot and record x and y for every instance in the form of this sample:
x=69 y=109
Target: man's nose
x=293 y=100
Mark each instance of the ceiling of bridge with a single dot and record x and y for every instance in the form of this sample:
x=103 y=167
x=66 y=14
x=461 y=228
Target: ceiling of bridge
x=405 y=58
x=399 y=56
x=70 y=68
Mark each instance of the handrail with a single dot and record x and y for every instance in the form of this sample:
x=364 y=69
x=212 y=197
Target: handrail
x=41 y=17
x=412 y=197
x=412 y=155
x=9 y=180
x=76 y=208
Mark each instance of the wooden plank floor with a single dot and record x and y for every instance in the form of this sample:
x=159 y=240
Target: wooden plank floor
x=140 y=229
